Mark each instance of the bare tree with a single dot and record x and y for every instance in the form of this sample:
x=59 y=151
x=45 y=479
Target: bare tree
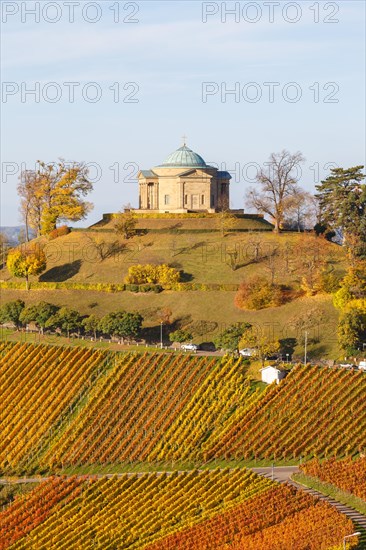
x=31 y=200
x=278 y=184
x=105 y=249
x=300 y=213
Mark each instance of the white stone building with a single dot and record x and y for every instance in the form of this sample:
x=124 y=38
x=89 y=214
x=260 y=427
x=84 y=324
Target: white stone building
x=183 y=183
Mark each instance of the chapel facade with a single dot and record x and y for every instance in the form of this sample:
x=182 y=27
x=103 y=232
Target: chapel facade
x=183 y=183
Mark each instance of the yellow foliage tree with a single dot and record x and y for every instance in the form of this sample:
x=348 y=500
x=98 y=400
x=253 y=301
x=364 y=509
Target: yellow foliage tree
x=54 y=193
x=265 y=346
x=23 y=262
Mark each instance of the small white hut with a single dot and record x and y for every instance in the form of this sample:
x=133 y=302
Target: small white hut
x=272 y=374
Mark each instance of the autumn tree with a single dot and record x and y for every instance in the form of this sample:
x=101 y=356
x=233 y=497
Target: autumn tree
x=258 y=293
x=31 y=202
x=350 y=299
x=53 y=193
x=308 y=321
x=125 y=223
x=103 y=249
x=164 y=315
x=152 y=274
x=353 y=286
x=26 y=261
x=255 y=247
x=226 y=221
x=312 y=259
x=278 y=184
x=255 y=338
x=4 y=247
x=300 y=213
x=342 y=199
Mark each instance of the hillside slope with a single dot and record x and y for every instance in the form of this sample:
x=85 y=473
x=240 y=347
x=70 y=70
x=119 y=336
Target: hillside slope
x=78 y=407
x=205 y=258
x=200 y=510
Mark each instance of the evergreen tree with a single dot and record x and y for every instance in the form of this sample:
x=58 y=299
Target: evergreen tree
x=230 y=337
x=342 y=199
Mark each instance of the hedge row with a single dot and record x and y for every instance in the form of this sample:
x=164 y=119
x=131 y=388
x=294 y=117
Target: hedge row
x=182 y=215
x=115 y=287
x=179 y=230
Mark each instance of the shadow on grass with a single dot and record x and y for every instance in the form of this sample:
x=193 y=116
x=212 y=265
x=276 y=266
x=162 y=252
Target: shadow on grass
x=61 y=273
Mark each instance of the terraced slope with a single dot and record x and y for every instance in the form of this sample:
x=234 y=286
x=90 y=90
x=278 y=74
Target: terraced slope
x=75 y=407
x=39 y=386
x=347 y=474
x=315 y=411
x=211 y=510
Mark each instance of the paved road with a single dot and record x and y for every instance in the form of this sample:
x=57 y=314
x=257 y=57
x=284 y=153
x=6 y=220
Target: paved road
x=280 y=473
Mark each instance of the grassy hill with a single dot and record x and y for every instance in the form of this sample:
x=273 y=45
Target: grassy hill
x=192 y=245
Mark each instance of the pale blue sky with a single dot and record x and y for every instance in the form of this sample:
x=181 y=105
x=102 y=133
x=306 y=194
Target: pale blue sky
x=169 y=53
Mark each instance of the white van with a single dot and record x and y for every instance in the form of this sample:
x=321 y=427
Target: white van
x=362 y=365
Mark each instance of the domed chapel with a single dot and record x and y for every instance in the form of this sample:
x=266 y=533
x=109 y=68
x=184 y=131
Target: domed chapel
x=183 y=183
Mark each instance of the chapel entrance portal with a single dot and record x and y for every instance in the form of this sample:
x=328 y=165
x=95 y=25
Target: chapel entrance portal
x=195 y=202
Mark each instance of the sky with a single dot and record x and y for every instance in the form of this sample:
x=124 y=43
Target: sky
x=117 y=84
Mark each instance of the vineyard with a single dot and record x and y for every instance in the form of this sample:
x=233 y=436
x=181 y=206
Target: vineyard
x=85 y=408
x=316 y=411
x=201 y=510
x=38 y=385
x=347 y=474
x=66 y=407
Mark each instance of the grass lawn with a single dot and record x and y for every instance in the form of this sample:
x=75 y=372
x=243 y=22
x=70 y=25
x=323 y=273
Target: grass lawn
x=169 y=466
x=206 y=314
x=203 y=257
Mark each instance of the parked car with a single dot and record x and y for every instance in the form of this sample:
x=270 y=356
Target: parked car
x=348 y=366
x=247 y=352
x=189 y=347
x=362 y=365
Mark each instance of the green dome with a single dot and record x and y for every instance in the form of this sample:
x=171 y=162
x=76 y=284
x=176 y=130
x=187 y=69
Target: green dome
x=184 y=157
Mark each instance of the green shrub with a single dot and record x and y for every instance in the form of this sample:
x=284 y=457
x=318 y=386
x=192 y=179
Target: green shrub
x=180 y=335
x=327 y=282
